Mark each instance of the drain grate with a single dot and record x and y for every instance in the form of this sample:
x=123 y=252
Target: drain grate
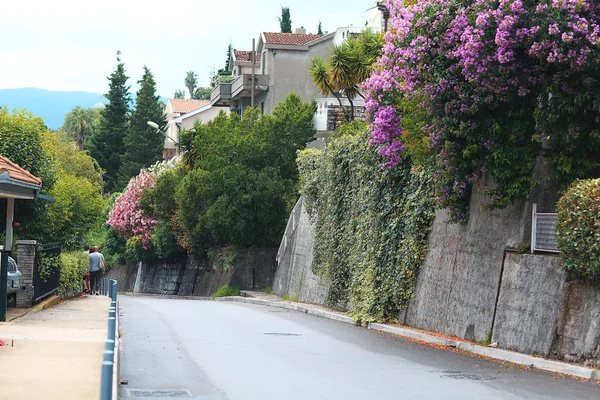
x=281 y=334
x=469 y=377
x=159 y=393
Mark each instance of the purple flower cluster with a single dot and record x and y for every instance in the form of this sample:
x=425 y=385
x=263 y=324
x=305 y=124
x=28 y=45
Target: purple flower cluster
x=470 y=64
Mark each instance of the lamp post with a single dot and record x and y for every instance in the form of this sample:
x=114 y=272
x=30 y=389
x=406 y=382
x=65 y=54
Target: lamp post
x=154 y=125
x=386 y=14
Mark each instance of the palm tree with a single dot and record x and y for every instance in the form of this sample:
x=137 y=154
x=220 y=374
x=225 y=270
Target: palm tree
x=350 y=64
x=191 y=81
x=76 y=126
x=320 y=75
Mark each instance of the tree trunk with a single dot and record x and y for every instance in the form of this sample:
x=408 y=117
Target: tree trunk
x=351 y=108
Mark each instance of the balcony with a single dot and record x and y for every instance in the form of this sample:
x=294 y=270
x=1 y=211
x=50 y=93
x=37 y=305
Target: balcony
x=224 y=93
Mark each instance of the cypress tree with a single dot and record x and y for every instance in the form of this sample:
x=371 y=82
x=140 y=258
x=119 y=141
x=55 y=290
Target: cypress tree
x=106 y=145
x=143 y=144
x=285 y=22
x=320 y=29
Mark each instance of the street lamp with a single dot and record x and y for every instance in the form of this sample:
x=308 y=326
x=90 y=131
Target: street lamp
x=154 y=125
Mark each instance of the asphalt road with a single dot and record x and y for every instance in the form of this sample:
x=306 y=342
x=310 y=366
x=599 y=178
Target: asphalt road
x=215 y=350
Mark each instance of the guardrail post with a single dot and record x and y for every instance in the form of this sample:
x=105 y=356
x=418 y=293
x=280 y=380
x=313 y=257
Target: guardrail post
x=109 y=344
x=112 y=324
x=106 y=385
x=113 y=295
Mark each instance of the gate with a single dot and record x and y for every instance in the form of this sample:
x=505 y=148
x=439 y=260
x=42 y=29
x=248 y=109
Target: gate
x=543 y=226
x=46 y=273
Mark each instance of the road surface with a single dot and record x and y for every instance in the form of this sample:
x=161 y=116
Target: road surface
x=209 y=350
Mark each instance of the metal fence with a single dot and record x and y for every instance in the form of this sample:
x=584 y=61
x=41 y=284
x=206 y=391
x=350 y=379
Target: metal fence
x=108 y=287
x=543 y=231
x=46 y=271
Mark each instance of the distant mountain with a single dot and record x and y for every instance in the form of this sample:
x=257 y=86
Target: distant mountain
x=51 y=105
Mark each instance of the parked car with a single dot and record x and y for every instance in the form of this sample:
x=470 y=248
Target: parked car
x=14 y=276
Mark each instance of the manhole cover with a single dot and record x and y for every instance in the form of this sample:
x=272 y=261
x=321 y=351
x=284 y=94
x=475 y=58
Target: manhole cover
x=469 y=377
x=281 y=334
x=159 y=393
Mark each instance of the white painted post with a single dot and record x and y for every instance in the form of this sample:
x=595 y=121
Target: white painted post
x=10 y=211
x=533 y=226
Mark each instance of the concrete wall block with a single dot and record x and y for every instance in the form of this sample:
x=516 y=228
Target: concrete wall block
x=529 y=303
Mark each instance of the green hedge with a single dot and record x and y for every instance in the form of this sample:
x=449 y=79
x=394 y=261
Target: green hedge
x=578 y=230
x=371 y=224
x=73 y=265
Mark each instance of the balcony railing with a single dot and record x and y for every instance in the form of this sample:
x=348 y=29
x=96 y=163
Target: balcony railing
x=221 y=94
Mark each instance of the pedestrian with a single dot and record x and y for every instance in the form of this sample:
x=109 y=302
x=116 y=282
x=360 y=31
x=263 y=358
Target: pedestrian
x=96 y=267
x=86 y=275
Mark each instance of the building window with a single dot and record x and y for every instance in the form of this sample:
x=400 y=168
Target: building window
x=262 y=107
x=263 y=61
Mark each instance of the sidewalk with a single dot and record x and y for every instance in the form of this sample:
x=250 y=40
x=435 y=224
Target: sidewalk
x=419 y=335
x=55 y=353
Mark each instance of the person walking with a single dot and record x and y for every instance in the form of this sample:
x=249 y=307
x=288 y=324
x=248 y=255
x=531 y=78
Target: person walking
x=96 y=267
x=86 y=276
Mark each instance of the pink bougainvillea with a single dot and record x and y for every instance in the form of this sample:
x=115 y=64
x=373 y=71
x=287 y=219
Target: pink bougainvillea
x=493 y=80
x=126 y=217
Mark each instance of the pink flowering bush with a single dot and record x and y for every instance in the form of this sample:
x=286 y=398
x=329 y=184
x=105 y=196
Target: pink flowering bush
x=495 y=83
x=127 y=217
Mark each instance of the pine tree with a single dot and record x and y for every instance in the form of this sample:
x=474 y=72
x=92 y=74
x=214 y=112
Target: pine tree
x=143 y=144
x=285 y=22
x=320 y=29
x=228 y=61
x=106 y=146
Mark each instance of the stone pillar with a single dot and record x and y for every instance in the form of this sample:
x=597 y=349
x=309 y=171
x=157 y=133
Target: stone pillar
x=26 y=260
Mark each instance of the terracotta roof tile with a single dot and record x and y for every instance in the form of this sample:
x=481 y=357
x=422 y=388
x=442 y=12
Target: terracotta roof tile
x=243 y=55
x=17 y=173
x=299 y=39
x=183 y=106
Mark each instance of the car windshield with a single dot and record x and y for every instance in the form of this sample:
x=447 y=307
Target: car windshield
x=12 y=265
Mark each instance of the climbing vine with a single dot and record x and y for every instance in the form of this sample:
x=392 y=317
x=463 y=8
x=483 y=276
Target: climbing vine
x=371 y=224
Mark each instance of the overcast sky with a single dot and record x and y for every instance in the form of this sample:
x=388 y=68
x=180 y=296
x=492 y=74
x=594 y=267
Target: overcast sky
x=72 y=44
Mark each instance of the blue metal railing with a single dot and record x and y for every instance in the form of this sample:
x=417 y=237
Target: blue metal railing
x=108 y=287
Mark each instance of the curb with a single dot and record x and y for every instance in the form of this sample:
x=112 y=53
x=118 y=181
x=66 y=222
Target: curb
x=117 y=354
x=423 y=336
x=47 y=303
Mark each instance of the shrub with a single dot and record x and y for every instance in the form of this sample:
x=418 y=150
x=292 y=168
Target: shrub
x=268 y=290
x=578 y=230
x=370 y=224
x=225 y=291
x=73 y=265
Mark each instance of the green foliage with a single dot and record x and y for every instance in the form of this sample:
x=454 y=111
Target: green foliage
x=22 y=142
x=578 y=230
x=68 y=160
x=319 y=29
x=191 y=81
x=268 y=290
x=371 y=224
x=77 y=206
x=73 y=265
x=241 y=179
x=228 y=59
x=143 y=144
x=81 y=124
x=106 y=146
x=225 y=291
x=202 y=93
x=285 y=21
x=222 y=259
x=179 y=94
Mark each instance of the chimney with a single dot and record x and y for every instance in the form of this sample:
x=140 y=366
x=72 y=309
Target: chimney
x=301 y=30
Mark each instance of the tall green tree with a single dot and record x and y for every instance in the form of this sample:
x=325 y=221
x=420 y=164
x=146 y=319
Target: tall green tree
x=202 y=93
x=191 y=81
x=143 y=144
x=285 y=21
x=106 y=146
x=81 y=124
x=228 y=60
x=179 y=94
x=349 y=64
x=320 y=29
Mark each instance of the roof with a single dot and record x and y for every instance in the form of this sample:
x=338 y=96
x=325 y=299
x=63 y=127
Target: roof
x=245 y=55
x=185 y=106
x=299 y=39
x=17 y=173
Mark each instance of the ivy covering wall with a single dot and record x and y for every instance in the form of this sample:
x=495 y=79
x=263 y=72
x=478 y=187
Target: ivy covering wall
x=371 y=224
